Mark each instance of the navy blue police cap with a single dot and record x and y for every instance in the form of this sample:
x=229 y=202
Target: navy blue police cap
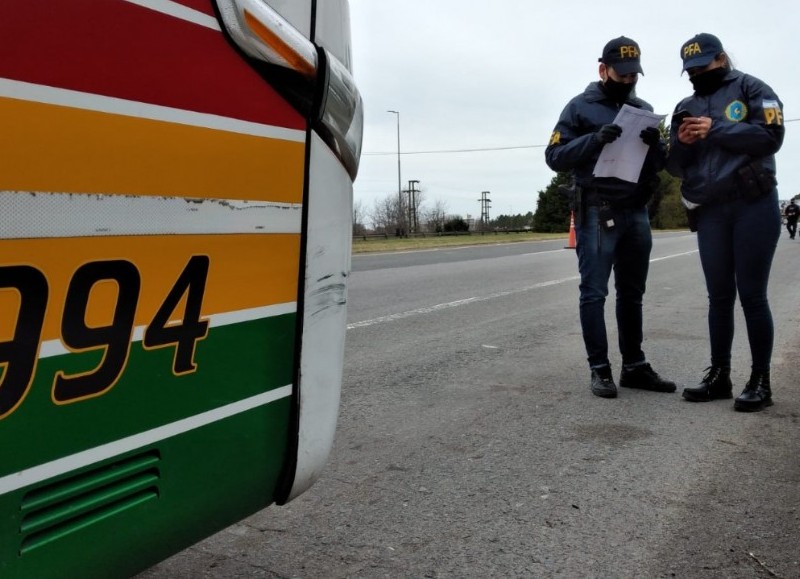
x=622 y=54
x=700 y=50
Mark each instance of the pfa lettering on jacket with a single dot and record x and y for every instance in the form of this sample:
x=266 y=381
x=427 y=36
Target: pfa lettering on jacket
x=772 y=112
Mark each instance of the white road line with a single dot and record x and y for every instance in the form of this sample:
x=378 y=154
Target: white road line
x=455 y=304
x=476 y=299
x=655 y=259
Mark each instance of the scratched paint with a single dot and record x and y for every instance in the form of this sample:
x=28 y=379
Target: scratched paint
x=48 y=215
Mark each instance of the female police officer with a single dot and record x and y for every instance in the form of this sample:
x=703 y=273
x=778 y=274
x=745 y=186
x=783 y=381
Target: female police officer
x=722 y=144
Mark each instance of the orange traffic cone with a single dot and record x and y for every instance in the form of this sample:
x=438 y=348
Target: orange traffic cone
x=571 y=243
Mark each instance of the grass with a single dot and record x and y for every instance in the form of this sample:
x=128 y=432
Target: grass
x=380 y=244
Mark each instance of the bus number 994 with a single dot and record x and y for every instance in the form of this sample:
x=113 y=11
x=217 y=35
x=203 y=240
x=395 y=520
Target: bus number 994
x=18 y=356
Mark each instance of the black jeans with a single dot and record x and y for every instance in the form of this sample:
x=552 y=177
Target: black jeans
x=737 y=242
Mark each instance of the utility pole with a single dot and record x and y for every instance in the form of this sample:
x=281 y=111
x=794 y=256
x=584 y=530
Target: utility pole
x=412 y=205
x=400 y=225
x=485 y=205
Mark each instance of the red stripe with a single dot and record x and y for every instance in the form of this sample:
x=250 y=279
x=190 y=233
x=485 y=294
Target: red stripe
x=114 y=48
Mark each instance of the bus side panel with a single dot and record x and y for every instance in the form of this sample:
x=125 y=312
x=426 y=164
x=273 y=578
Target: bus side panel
x=149 y=263
x=192 y=485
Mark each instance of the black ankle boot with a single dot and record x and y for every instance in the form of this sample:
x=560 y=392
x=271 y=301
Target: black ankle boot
x=716 y=384
x=757 y=394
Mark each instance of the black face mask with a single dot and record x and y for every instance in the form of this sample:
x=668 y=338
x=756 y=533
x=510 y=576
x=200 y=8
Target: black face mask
x=708 y=82
x=618 y=91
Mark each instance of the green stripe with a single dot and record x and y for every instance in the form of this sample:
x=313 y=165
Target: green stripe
x=233 y=362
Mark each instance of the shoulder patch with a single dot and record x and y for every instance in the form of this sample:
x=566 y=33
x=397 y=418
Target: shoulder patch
x=555 y=138
x=736 y=111
x=772 y=112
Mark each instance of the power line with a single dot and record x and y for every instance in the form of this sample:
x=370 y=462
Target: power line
x=481 y=149
x=461 y=150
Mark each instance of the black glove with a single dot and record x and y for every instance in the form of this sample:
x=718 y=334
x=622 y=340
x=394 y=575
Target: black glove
x=608 y=133
x=651 y=136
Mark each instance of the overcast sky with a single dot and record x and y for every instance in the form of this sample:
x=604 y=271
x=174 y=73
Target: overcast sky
x=489 y=75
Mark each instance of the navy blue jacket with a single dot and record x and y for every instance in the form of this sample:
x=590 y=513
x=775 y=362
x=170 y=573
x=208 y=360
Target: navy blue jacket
x=746 y=129
x=573 y=149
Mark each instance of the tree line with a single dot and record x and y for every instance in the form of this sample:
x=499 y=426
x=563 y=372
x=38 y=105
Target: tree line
x=665 y=207
x=551 y=215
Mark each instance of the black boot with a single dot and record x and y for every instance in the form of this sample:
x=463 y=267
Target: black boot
x=644 y=377
x=757 y=394
x=716 y=384
x=603 y=382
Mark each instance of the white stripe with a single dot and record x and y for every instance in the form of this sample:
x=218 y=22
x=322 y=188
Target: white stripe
x=179 y=11
x=455 y=304
x=228 y=318
x=64 y=465
x=52 y=348
x=655 y=259
x=29 y=214
x=116 y=106
x=476 y=299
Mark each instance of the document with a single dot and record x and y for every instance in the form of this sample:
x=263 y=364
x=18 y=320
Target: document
x=624 y=157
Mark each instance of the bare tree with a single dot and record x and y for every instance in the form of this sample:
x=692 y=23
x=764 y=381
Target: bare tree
x=385 y=215
x=434 y=218
x=359 y=215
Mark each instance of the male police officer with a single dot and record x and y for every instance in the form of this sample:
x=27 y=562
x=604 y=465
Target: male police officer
x=612 y=227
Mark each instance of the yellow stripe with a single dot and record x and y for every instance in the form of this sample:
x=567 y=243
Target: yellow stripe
x=245 y=271
x=63 y=149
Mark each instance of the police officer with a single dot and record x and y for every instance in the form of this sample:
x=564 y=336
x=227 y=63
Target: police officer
x=723 y=140
x=792 y=213
x=612 y=226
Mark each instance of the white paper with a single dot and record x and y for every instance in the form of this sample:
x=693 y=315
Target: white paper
x=624 y=157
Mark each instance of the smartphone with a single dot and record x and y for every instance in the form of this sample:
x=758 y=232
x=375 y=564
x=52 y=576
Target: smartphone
x=678 y=116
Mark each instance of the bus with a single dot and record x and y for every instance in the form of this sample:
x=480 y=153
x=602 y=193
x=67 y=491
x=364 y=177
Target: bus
x=175 y=225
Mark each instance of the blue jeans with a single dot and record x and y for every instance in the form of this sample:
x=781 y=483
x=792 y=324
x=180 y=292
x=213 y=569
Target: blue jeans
x=625 y=249
x=737 y=242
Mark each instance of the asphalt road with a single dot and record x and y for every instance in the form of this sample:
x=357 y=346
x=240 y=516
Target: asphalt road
x=469 y=444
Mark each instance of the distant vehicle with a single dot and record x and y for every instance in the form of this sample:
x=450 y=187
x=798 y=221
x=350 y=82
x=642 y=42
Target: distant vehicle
x=175 y=226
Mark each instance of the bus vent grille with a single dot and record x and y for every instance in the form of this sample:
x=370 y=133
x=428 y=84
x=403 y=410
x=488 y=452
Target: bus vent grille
x=60 y=509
